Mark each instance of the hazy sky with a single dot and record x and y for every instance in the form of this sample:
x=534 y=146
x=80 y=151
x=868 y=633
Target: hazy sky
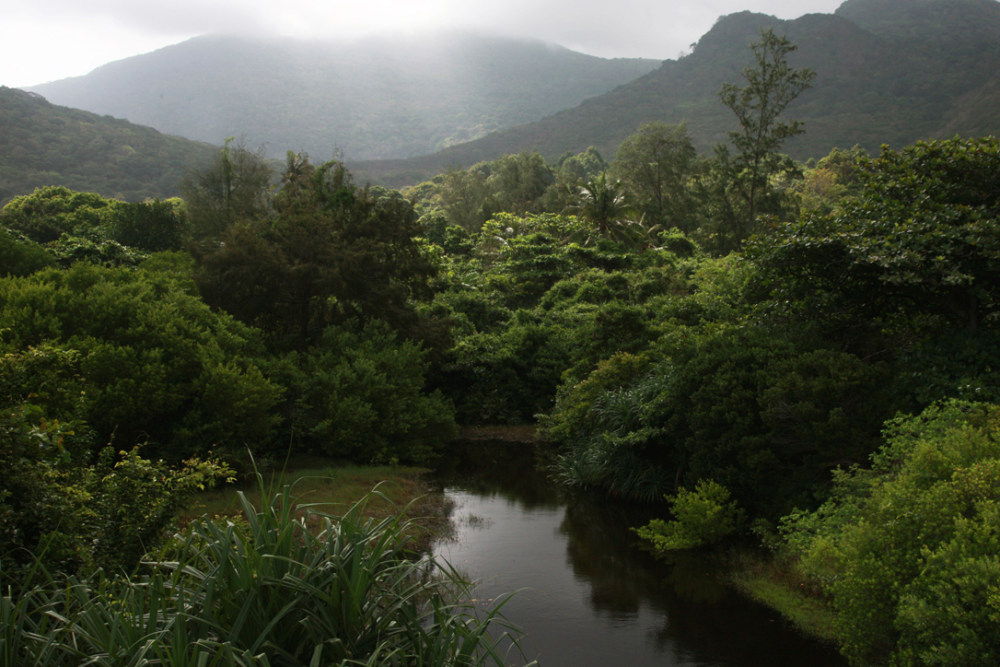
x=44 y=40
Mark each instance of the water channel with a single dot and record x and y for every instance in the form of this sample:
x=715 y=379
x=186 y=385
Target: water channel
x=585 y=594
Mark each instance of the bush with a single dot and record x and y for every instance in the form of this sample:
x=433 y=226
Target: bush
x=152 y=363
x=702 y=517
x=66 y=516
x=361 y=396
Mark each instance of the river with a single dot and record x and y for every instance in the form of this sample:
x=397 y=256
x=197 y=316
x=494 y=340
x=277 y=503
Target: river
x=584 y=592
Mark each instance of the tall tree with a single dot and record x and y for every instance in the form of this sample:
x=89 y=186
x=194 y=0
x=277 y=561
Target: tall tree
x=236 y=187
x=655 y=164
x=771 y=85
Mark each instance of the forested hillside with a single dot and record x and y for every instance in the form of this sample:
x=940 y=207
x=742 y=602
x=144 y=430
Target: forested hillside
x=877 y=82
x=886 y=72
x=43 y=144
x=375 y=98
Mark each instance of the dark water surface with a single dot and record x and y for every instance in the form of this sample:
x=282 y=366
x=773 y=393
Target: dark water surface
x=585 y=593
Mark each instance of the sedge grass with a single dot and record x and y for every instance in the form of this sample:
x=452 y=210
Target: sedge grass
x=286 y=584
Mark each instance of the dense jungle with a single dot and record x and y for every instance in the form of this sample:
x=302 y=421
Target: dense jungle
x=793 y=362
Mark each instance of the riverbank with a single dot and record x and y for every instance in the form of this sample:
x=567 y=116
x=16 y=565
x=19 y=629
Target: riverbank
x=333 y=489
x=778 y=587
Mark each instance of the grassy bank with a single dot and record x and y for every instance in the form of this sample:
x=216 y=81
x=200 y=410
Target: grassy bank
x=334 y=489
x=775 y=585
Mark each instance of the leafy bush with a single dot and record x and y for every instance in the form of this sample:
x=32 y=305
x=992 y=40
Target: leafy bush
x=361 y=396
x=64 y=515
x=49 y=212
x=152 y=362
x=702 y=517
x=20 y=256
x=763 y=418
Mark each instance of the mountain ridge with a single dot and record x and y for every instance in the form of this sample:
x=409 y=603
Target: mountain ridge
x=877 y=82
x=376 y=97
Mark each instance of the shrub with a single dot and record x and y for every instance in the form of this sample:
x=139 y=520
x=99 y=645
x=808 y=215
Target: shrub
x=702 y=517
x=361 y=396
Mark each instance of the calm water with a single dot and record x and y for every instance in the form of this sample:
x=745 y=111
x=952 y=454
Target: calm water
x=585 y=594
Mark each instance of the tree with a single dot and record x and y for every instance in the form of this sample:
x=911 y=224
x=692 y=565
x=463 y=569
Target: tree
x=602 y=202
x=907 y=550
x=146 y=360
x=913 y=257
x=462 y=195
x=517 y=183
x=332 y=253
x=771 y=85
x=49 y=212
x=150 y=225
x=654 y=164
x=236 y=186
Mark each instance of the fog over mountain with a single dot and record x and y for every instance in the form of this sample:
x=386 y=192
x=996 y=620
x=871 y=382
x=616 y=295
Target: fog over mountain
x=374 y=98
x=888 y=71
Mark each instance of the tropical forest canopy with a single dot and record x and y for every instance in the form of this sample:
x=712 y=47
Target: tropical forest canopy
x=798 y=355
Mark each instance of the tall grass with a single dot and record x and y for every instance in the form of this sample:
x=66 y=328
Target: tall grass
x=286 y=584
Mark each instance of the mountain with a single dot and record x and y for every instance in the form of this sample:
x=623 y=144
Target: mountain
x=44 y=144
x=888 y=71
x=373 y=98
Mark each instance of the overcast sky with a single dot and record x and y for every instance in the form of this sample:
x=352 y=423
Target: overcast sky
x=45 y=40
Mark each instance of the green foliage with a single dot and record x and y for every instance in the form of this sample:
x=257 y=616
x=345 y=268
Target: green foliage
x=50 y=212
x=70 y=227
x=234 y=188
x=20 y=256
x=152 y=362
x=362 y=397
x=287 y=584
x=771 y=85
x=907 y=549
x=655 y=164
x=702 y=517
x=332 y=253
x=826 y=183
x=151 y=225
x=532 y=308
x=63 y=514
x=903 y=270
x=762 y=418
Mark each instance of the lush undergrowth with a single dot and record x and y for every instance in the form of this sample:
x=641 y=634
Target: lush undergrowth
x=285 y=584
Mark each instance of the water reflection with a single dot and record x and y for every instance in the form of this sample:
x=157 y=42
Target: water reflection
x=586 y=593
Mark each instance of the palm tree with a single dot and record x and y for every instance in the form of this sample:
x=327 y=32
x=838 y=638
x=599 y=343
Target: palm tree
x=602 y=203
x=606 y=206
